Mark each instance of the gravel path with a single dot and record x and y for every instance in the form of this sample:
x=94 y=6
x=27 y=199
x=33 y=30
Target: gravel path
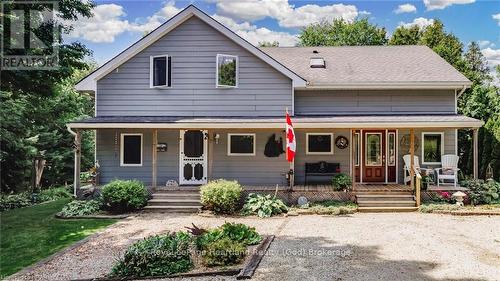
x=407 y=246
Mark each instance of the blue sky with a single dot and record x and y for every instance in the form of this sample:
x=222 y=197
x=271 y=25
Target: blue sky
x=119 y=23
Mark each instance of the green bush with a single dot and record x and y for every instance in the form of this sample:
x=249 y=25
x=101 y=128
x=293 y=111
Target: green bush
x=237 y=232
x=223 y=252
x=481 y=192
x=156 y=256
x=221 y=196
x=56 y=193
x=121 y=196
x=80 y=208
x=264 y=205
x=13 y=201
x=341 y=182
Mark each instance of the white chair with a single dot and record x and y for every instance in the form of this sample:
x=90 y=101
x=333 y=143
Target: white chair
x=449 y=169
x=416 y=168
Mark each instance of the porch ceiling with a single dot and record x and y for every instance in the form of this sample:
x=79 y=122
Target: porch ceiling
x=300 y=122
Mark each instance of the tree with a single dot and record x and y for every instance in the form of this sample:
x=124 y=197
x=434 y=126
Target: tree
x=406 y=36
x=36 y=104
x=342 y=33
x=269 y=44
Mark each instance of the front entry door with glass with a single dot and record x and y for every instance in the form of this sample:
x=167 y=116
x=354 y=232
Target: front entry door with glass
x=193 y=157
x=374 y=156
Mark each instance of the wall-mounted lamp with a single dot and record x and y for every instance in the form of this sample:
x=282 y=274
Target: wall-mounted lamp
x=216 y=137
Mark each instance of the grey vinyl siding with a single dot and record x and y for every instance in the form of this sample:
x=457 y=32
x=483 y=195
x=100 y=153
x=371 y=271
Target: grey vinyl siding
x=318 y=102
x=193 y=47
x=340 y=156
x=249 y=170
x=449 y=147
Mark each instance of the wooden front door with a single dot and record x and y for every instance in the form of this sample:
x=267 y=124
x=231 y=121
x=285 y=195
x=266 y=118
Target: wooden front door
x=374 y=156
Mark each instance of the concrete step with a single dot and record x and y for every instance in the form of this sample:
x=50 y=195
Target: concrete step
x=386 y=209
x=172 y=209
x=389 y=197
x=386 y=203
x=174 y=191
x=176 y=195
x=174 y=202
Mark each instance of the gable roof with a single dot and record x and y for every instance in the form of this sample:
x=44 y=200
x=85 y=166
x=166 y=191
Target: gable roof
x=89 y=82
x=371 y=67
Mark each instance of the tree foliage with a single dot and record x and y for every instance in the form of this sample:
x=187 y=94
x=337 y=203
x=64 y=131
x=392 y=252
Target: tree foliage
x=342 y=33
x=37 y=104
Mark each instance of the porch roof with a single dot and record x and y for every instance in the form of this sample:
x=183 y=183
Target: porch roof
x=300 y=122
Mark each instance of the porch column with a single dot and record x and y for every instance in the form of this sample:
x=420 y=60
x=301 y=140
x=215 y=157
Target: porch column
x=154 y=180
x=475 y=153
x=412 y=155
x=78 y=158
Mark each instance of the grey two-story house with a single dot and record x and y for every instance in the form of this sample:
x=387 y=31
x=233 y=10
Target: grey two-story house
x=192 y=101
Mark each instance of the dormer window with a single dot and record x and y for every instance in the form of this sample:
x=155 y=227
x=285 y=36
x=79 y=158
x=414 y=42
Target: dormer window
x=317 y=63
x=160 y=71
x=227 y=71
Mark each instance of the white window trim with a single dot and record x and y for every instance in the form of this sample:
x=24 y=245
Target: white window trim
x=151 y=58
x=217 y=72
x=319 y=153
x=381 y=149
x=229 y=135
x=122 y=147
x=442 y=146
x=358 y=156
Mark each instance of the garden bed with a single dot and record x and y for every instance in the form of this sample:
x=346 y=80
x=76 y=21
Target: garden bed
x=325 y=208
x=452 y=209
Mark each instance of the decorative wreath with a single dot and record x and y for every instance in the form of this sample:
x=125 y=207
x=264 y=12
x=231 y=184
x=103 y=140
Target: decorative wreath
x=341 y=142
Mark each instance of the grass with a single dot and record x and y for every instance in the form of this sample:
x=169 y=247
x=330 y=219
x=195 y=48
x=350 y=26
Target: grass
x=329 y=207
x=32 y=233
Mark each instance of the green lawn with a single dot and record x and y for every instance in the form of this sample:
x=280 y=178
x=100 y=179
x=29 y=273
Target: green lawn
x=30 y=234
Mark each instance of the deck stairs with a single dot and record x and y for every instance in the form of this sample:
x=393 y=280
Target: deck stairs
x=385 y=201
x=175 y=200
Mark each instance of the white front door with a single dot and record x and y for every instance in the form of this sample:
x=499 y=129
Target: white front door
x=193 y=157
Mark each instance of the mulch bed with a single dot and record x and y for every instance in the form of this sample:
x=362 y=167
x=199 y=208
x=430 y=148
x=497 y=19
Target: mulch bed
x=467 y=213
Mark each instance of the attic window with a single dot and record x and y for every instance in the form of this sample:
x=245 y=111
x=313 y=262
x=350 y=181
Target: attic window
x=317 y=63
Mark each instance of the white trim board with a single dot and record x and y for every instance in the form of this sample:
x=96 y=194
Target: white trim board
x=422 y=146
x=331 y=152
x=229 y=135
x=122 y=147
x=89 y=83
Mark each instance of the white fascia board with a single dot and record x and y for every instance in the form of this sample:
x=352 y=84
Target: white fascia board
x=376 y=86
x=89 y=82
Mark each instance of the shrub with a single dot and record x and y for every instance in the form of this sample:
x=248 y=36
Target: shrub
x=13 y=201
x=51 y=194
x=332 y=207
x=341 y=182
x=223 y=252
x=221 y=196
x=430 y=208
x=80 y=208
x=237 y=232
x=481 y=192
x=264 y=205
x=156 y=255
x=121 y=196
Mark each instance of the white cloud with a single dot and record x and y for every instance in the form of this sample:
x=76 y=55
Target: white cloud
x=364 y=13
x=497 y=18
x=255 y=34
x=441 y=4
x=405 y=8
x=485 y=43
x=420 y=22
x=286 y=14
x=492 y=56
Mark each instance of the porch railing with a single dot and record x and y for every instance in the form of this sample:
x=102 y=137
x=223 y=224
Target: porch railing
x=418 y=184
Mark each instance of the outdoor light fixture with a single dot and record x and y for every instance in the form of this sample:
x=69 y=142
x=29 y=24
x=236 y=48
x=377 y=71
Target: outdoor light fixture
x=216 y=137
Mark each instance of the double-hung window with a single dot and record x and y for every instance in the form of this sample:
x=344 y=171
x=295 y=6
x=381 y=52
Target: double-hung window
x=319 y=143
x=131 y=149
x=160 y=71
x=227 y=71
x=241 y=144
x=432 y=147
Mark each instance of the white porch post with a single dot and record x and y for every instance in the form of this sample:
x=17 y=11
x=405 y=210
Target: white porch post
x=78 y=158
x=154 y=180
x=475 y=153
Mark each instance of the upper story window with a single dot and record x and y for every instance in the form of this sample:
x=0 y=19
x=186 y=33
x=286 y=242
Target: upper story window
x=227 y=71
x=432 y=147
x=131 y=150
x=160 y=71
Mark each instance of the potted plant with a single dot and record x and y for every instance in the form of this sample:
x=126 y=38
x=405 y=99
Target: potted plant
x=341 y=182
x=425 y=182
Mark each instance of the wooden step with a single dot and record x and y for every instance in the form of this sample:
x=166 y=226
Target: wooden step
x=382 y=192
x=386 y=209
x=390 y=197
x=386 y=203
x=173 y=209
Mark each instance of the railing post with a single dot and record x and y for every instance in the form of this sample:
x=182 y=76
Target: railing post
x=417 y=188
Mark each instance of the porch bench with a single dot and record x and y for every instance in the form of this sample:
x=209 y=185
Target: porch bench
x=321 y=168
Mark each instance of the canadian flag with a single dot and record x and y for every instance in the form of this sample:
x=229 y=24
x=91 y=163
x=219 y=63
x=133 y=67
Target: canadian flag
x=290 y=139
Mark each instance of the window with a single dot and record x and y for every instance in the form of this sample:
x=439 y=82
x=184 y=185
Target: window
x=241 y=144
x=373 y=149
x=356 y=149
x=227 y=71
x=432 y=147
x=391 y=145
x=131 y=150
x=160 y=71
x=319 y=143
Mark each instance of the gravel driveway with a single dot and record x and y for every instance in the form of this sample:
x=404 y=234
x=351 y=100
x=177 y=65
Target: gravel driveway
x=401 y=246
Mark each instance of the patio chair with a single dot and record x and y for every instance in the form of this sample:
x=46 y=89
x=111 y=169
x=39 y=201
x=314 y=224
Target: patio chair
x=449 y=169
x=416 y=168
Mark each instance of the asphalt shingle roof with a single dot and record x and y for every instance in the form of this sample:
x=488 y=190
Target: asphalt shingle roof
x=368 y=64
